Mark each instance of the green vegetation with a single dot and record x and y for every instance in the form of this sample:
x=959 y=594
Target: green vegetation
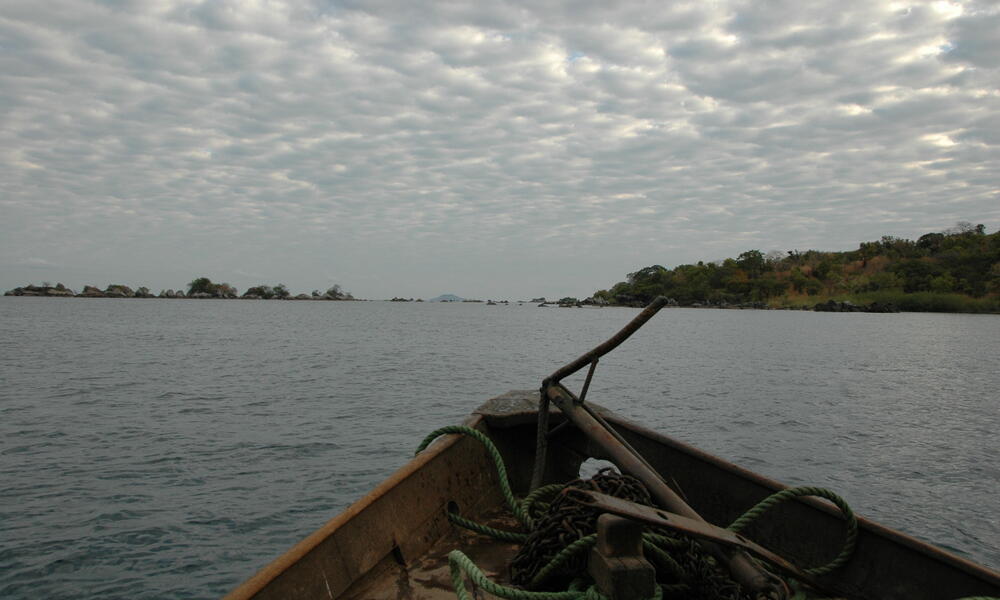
x=204 y=286
x=957 y=270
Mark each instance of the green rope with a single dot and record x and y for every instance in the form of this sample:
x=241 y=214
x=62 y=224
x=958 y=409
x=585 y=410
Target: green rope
x=499 y=534
x=535 y=497
x=459 y=563
x=562 y=557
x=508 y=495
x=774 y=499
x=668 y=562
x=664 y=541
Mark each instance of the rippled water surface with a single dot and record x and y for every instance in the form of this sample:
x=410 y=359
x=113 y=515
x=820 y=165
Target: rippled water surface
x=168 y=449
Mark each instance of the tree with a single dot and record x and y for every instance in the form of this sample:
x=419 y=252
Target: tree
x=916 y=274
x=753 y=262
x=281 y=292
x=798 y=280
x=261 y=291
x=930 y=241
x=645 y=284
x=335 y=292
x=224 y=290
x=774 y=258
x=868 y=251
x=202 y=285
x=768 y=286
x=943 y=284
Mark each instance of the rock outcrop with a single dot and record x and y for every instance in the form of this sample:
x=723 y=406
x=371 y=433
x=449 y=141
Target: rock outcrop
x=835 y=306
x=117 y=290
x=58 y=290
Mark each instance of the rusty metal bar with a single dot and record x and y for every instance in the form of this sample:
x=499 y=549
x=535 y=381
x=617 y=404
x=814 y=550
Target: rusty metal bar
x=541 y=443
x=586 y=384
x=555 y=430
x=740 y=565
x=612 y=343
x=591 y=358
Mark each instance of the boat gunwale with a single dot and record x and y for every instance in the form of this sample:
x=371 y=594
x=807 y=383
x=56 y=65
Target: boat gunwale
x=522 y=418
x=272 y=570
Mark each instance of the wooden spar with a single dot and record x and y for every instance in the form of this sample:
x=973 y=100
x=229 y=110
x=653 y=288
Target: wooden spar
x=590 y=358
x=612 y=343
x=742 y=568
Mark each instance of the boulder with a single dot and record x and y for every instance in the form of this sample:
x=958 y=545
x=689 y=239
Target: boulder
x=878 y=307
x=834 y=306
x=828 y=306
x=119 y=291
x=90 y=291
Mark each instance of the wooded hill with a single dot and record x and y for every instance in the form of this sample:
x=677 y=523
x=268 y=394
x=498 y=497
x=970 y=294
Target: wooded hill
x=957 y=270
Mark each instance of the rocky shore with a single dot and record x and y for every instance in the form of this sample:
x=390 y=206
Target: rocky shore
x=828 y=306
x=225 y=291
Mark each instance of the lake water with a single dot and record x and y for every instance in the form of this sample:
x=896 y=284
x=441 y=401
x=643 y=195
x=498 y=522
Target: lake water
x=169 y=449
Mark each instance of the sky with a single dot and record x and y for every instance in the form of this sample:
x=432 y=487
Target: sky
x=500 y=149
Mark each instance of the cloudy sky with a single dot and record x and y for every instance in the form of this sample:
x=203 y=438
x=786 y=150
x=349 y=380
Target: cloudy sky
x=489 y=149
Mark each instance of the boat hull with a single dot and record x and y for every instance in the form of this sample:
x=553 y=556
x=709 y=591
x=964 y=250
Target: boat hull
x=392 y=543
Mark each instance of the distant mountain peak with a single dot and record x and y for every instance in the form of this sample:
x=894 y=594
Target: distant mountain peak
x=447 y=298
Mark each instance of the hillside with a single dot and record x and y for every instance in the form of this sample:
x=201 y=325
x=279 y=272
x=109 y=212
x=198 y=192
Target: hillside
x=957 y=270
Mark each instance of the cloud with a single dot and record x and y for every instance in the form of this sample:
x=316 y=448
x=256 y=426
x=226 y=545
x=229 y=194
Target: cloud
x=293 y=136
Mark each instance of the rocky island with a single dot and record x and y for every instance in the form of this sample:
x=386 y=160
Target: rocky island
x=201 y=288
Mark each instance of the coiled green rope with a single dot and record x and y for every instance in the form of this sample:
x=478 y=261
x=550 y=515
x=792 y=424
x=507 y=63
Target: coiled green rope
x=774 y=499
